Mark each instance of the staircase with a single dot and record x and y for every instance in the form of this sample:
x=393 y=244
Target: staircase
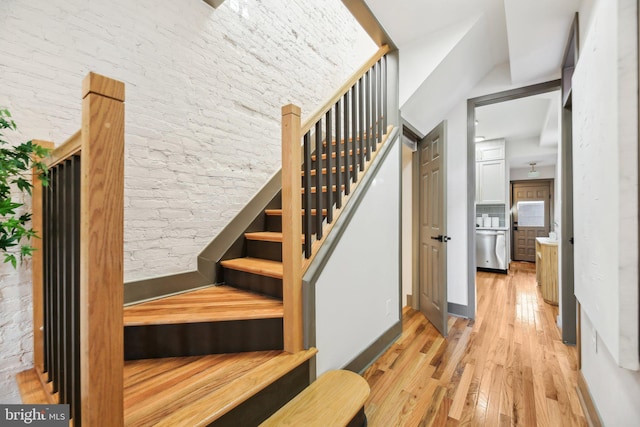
x=216 y=355
x=193 y=353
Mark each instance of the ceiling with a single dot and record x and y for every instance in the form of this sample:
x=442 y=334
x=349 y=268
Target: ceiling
x=529 y=125
x=530 y=35
x=446 y=47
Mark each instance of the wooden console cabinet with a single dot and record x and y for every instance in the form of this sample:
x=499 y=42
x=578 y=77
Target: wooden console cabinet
x=547 y=268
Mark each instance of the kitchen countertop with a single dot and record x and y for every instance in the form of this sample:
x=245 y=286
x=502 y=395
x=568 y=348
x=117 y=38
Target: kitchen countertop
x=547 y=241
x=493 y=228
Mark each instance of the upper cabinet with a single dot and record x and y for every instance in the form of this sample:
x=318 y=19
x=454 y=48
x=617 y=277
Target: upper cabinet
x=490 y=150
x=491 y=178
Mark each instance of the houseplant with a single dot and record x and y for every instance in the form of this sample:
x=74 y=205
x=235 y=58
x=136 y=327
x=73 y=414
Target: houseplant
x=16 y=163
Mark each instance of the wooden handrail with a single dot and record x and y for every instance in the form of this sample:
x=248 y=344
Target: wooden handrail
x=368 y=84
x=70 y=147
x=320 y=112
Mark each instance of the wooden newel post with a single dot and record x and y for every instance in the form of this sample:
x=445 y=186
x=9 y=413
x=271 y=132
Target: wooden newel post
x=101 y=252
x=37 y=266
x=291 y=228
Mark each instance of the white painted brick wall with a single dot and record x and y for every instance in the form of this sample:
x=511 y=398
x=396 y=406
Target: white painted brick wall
x=204 y=92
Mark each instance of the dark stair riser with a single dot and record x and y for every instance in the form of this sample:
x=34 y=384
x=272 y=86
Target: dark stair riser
x=261 y=406
x=274 y=223
x=253 y=282
x=197 y=339
x=266 y=250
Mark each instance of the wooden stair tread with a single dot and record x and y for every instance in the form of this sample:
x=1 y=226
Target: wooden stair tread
x=278 y=212
x=324 y=189
x=212 y=304
x=259 y=266
x=195 y=391
x=324 y=170
x=334 y=399
x=267 y=236
x=31 y=388
x=333 y=154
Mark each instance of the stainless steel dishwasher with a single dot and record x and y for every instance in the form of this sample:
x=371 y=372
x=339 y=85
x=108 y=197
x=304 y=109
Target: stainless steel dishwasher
x=491 y=250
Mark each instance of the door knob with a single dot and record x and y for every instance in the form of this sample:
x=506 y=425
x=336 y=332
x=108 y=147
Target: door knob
x=441 y=238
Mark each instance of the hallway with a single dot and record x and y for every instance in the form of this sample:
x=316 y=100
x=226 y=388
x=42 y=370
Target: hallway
x=508 y=367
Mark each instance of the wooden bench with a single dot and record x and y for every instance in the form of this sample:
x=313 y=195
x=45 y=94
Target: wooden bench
x=335 y=399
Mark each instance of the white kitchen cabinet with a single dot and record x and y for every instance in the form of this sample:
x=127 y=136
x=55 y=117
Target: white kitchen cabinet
x=490 y=182
x=490 y=150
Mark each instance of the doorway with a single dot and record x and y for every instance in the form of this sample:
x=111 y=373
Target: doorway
x=433 y=237
x=472 y=104
x=531 y=213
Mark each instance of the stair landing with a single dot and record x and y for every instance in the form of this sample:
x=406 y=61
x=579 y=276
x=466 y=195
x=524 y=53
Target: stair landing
x=212 y=304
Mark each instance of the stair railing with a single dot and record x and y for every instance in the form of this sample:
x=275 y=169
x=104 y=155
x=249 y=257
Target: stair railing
x=353 y=122
x=78 y=264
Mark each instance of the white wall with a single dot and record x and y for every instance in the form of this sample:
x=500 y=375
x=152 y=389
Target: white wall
x=420 y=57
x=606 y=216
x=605 y=172
x=614 y=390
x=204 y=89
x=364 y=270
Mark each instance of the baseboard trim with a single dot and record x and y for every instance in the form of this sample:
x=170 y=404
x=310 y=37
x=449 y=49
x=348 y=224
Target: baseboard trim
x=457 y=309
x=586 y=401
x=149 y=289
x=379 y=346
x=410 y=300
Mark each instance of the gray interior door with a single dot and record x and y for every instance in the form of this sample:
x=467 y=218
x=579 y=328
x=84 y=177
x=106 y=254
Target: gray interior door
x=433 y=228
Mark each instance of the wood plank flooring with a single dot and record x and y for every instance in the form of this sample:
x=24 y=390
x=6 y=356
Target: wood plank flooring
x=509 y=367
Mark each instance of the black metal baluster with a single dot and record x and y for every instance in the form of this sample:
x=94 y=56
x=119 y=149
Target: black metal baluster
x=379 y=102
x=60 y=190
x=338 y=157
x=55 y=289
x=354 y=133
x=69 y=265
x=63 y=279
x=370 y=124
x=347 y=176
x=384 y=100
x=306 y=197
x=75 y=309
x=361 y=123
x=330 y=150
x=319 y=197
x=374 y=121
x=46 y=273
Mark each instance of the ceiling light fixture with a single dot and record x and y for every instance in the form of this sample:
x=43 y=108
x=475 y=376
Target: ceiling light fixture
x=533 y=173
x=479 y=139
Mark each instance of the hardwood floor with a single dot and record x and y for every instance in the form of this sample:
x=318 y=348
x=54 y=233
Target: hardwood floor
x=508 y=367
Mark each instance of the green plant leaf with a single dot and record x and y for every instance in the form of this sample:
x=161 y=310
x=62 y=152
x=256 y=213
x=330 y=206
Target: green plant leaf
x=16 y=164
x=10 y=258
